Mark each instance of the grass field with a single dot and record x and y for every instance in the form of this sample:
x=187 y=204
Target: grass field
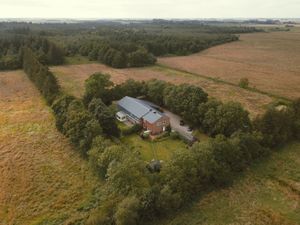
x=72 y=80
x=267 y=194
x=271 y=62
x=42 y=179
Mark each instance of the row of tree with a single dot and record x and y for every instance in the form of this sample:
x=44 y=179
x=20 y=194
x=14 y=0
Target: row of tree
x=129 y=48
x=11 y=51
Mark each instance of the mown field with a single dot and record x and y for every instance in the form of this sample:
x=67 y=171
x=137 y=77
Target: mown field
x=271 y=62
x=267 y=194
x=42 y=179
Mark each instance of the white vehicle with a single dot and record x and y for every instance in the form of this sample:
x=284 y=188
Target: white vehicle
x=121 y=116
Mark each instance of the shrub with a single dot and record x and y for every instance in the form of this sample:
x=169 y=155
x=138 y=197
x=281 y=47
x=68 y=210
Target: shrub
x=244 y=83
x=132 y=130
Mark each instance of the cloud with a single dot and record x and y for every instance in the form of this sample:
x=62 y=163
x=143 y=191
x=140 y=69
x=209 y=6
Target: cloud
x=148 y=8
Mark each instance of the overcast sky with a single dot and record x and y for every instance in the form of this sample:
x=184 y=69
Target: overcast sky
x=149 y=8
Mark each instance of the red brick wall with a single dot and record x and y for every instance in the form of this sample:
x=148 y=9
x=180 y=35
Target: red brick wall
x=157 y=127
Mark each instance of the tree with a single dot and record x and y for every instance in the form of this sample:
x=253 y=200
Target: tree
x=127 y=211
x=98 y=86
x=105 y=116
x=276 y=126
x=80 y=126
x=128 y=177
x=141 y=58
x=130 y=88
x=226 y=119
x=155 y=91
x=60 y=109
x=244 y=83
x=119 y=60
x=185 y=99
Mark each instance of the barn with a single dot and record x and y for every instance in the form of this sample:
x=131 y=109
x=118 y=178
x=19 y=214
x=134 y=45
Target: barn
x=141 y=112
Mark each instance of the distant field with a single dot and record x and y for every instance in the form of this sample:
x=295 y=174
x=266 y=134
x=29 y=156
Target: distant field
x=72 y=79
x=271 y=62
x=268 y=194
x=42 y=179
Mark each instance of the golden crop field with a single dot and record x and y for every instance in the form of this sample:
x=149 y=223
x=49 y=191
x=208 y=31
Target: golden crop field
x=270 y=61
x=43 y=180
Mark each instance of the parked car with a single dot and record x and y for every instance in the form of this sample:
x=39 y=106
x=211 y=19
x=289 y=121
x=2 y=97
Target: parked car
x=181 y=123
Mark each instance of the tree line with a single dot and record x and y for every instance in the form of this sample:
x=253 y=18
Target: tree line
x=133 y=194
x=11 y=46
x=127 y=48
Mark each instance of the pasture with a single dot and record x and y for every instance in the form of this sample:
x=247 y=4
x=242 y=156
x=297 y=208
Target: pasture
x=271 y=62
x=268 y=193
x=43 y=180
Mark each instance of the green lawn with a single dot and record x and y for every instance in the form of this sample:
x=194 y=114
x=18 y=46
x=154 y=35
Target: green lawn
x=267 y=194
x=149 y=150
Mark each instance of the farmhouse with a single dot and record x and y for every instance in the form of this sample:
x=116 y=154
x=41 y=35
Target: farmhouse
x=141 y=112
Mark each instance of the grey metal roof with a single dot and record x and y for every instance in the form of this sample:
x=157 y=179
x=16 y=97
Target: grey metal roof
x=152 y=116
x=133 y=106
x=140 y=109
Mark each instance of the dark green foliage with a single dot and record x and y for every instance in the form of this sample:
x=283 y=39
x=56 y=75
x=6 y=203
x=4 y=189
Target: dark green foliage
x=39 y=74
x=276 y=126
x=129 y=176
x=244 y=83
x=102 y=153
x=105 y=116
x=217 y=118
x=132 y=130
x=155 y=91
x=60 y=109
x=80 y=126
x=127 y=211
x=140 y=58
x=98 y=86
x=296 y=110
x=184 y=100
x=11 y=55
x=130 y=88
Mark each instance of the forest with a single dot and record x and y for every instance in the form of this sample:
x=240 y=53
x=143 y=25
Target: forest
x=118 y=44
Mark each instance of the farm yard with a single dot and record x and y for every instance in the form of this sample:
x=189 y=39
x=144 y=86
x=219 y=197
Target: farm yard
x=270 y=61
x=43 y=180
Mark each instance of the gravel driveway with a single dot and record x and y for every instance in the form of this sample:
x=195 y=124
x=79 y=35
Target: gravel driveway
x=175 y=125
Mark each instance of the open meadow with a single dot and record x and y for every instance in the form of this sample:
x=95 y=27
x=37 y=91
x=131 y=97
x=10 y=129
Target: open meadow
x=43 y=180
x=270 y=61
x=268 y=194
